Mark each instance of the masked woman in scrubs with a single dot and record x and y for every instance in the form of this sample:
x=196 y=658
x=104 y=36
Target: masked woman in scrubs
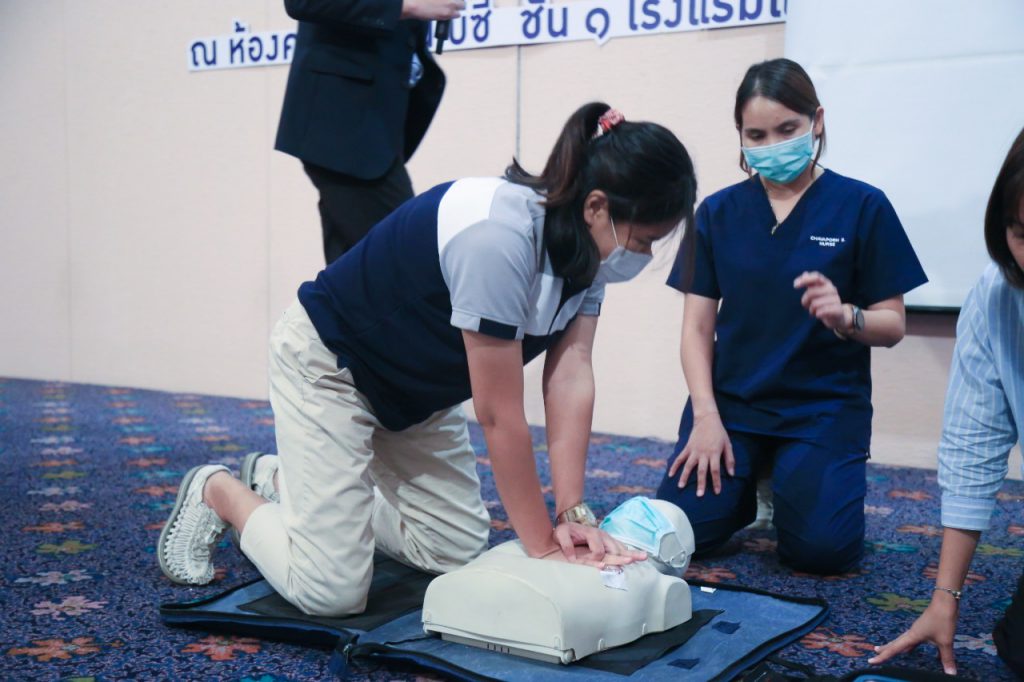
x=983 y=419
x=443 y=300
x=798 y=272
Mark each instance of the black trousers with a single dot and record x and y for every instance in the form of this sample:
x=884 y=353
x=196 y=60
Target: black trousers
x=350 y=206
x=1009 y=633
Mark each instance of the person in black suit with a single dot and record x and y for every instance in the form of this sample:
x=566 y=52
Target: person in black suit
x=361 y=93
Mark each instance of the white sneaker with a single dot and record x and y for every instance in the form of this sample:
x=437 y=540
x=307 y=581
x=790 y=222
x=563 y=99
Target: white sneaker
x=765 y=505
x=257 y=473
x=187 y=539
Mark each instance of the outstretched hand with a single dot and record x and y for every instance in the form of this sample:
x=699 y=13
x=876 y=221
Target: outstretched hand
x=937 y=625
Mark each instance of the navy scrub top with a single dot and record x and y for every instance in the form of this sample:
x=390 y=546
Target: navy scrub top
x=777 y=370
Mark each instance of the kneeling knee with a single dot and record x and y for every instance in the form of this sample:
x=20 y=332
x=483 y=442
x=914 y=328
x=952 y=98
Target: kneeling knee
x=473 y=551
x=459 y=545
x=341 y=598
x=445 y=558
x=825 y=555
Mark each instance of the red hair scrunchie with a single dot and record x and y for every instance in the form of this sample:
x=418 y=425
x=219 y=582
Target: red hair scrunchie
x=607 y=122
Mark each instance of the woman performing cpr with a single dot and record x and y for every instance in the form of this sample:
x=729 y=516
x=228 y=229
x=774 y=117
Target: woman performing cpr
x=445 y=299
x=810 y=269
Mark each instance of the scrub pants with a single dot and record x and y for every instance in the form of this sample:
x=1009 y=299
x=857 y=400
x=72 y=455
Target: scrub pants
x=818 y=495
x=349 y=486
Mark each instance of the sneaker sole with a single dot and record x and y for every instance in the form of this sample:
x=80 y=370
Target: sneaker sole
x=245 y=474
x=165 y=533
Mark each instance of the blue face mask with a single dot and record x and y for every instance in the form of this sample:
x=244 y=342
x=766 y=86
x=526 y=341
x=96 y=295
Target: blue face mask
x=639 y=524
x=782 y=162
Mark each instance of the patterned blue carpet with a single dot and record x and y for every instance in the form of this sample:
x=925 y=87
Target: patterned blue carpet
x=88 y=474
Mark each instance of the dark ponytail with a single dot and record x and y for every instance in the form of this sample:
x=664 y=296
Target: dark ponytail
x=643 y=168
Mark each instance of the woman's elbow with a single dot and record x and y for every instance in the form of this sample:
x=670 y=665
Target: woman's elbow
x=897 y=334
x=497 y=417
x=486 y=417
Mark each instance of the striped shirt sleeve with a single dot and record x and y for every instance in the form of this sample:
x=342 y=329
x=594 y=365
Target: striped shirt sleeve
x=978 y=429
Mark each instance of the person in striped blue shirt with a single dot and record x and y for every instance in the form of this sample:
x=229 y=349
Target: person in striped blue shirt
x=983 y=419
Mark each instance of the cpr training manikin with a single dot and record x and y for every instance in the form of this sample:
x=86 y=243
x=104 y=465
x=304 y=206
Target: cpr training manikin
x=561 y=612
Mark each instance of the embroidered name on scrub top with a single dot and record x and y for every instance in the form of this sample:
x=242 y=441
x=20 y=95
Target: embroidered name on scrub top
x=466 y=255
x=828 y=241
x=776 y=369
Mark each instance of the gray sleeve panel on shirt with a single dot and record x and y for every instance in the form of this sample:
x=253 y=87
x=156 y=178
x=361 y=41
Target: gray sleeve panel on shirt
x=490 y=267
x=592 y=300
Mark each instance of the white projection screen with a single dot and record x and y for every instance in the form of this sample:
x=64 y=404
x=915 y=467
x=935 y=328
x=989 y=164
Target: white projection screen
x=922 y=99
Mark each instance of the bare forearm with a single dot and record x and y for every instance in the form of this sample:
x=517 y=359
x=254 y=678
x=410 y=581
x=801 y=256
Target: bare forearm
x=515 y=476
x=697 y=352
x=569 y=410
x=496 y=375
x=881 y=328
x=955 y=558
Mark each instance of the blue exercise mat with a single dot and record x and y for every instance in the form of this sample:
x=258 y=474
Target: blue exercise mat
x=733 y=628
x=745 y=626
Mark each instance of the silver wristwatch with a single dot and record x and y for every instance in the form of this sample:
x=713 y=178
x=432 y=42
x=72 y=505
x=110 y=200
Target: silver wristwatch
x=858 y=319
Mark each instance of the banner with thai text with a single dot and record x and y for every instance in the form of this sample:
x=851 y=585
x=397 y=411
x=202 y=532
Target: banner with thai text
x=533 y=22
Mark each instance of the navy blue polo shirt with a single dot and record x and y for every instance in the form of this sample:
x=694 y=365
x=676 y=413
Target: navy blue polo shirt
x=776 y=369
x=467 y=255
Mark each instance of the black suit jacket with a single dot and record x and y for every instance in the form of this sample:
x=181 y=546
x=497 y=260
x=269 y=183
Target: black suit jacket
x=348 y=105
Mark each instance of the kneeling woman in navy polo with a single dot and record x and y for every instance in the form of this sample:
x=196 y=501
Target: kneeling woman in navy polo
x=798 y=272
x=445 y=299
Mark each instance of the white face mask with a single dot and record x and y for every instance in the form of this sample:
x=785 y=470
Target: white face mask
x=621 y=265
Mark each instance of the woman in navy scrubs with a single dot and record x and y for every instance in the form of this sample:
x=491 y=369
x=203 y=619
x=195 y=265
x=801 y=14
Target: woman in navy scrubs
x=798 y=272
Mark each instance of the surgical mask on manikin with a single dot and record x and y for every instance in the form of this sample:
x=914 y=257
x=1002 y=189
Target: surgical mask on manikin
x=621 y=265
x=641 y=523
x=782 y=162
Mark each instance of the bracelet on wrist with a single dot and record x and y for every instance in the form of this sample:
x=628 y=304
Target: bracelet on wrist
x=955 y=593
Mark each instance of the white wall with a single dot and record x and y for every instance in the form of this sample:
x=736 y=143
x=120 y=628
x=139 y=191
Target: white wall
x=932 y=87
x=138 y=244
x=150 y=236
